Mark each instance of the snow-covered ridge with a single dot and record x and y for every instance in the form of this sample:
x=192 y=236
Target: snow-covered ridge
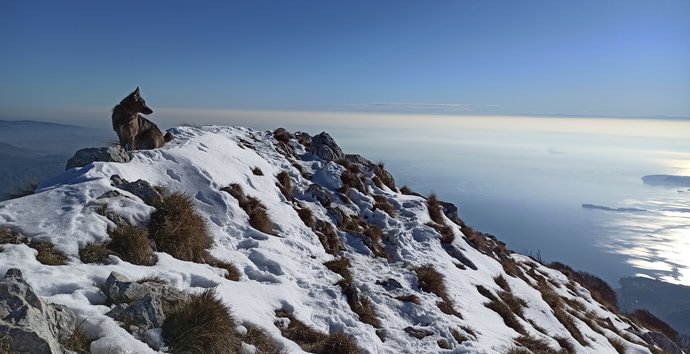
x=285 y=270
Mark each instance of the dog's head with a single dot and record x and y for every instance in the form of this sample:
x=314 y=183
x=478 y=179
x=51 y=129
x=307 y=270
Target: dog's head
x=135 y=103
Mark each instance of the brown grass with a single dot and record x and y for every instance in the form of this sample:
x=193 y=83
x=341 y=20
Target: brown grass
x=377 y=182
x=446 y=232
x=502 y=282
x=328 y=237
x=567 y=346
x=443 y=344
x=518 y=351
x=373 y=235
x=618 y=345
x=131 y=243
x=459 y=337
x=385 y=177
x=233 y=274
x=258 y=215
x=340 y=266
x=313 y=341
x=284 y=184
x=380 y=202
x=600 y=290
x=178 y=229
x=407 y=190
x=262 y=341
x=76 y=342
x=409 y=298
x=536 y=345
x=557 y=305
x=257 y=171
x=506 y=314
x=352 y=180
x=362 y=306
x=202 y=324
x=515 y=303
x=94 y=253
x=8 y=235
x=431 y=281
x=307 y=217
x=434 y=207
x=46 y=254
x=644 y=318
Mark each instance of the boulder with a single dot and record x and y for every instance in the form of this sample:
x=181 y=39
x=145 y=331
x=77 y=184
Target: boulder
x=32 y=325
x=320 y=194
x=324 y=146
x=83 y=157
x=140 y=188
x=418 y=332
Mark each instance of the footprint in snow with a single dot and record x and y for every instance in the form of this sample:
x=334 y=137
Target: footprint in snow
x=168 y=156
x=260 y=276
x=198 y=281
x=263 y=263
x=173 y=175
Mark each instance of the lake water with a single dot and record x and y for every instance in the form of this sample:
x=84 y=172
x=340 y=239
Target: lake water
x=525 y=180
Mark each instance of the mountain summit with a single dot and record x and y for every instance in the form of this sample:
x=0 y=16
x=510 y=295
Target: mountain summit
x=229 y=239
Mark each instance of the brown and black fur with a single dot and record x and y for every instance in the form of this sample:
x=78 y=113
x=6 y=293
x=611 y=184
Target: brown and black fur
x=134 y=131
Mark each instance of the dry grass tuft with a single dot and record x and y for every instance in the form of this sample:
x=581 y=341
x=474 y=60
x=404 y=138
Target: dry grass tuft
x=234 y=274
x=515 y=303
x=618 y=345
x=178 y=229
x=459 y=337
x=307 y=217
x=352 y=179
x=434 y=207
x=46 y=254
x=409 y=298
x=431 y=281
x=385 y=177
x=502 y=282
x=76 y=342
x=407 y=190
x=202 y=324
x=377 y=182
x=567 y=346
x=131 y=243
x=8 y=235
x=644 y=318
x=518 y=351
x=328 y=237
x=373 y=235
x=380 y=202
x=257 y=171
x=536 y=345
x=600 y=290
x=506 y=314
x=446 y=232
x=94 y=253
x=313 y=341
x=340 y=266
x=258 y=216
x=443 y=344
x=284 y=184
x=262 y=341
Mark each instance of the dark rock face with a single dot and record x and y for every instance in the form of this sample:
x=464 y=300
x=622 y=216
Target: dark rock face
x=142 y=189
x=83 y=157
x=660 y=340
x=324 y=146
x=32 y=325
x=320 y=194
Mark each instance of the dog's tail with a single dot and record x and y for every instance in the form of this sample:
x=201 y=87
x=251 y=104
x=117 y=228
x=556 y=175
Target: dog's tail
x=168 y=137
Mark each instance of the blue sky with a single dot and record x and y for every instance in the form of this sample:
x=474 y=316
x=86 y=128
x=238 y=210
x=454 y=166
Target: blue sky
x=590 y=57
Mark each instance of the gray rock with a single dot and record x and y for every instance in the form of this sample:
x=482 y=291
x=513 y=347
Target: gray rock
x=146 y=312
x=417 y=332
x=142 y=189
x=110 y=194
x=83 y=157
x=32 y=325
x=324 y=146
x=140 y=303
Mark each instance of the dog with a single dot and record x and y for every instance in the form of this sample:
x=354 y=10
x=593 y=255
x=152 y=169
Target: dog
x=134 y=131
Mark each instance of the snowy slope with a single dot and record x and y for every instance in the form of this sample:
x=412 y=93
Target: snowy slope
x=286 y=270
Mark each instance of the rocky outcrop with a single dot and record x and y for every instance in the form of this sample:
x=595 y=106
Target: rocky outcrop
x=83 y=157
x=324 y=146
x=139 y=304
x=31 y=325
x=140 y=188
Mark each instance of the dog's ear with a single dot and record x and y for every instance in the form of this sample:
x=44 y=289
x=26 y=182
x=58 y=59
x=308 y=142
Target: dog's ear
x=136 y=91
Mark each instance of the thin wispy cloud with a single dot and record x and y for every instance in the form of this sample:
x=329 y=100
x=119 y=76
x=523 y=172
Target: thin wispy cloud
x=420 y=107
